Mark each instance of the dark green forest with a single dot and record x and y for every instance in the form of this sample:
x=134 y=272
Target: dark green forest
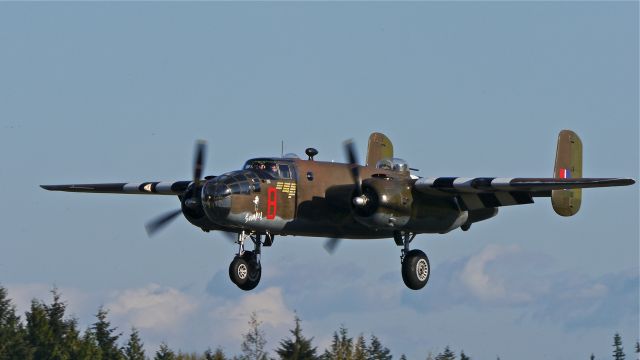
x=47 y=332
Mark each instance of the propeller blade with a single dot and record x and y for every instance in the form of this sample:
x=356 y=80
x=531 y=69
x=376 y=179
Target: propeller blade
x=331 y=244
x=352 y=158
x=198 y=165
x=160 y=222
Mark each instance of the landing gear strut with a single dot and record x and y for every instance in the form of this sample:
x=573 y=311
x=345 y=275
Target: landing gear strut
x=245 y=270
x=415 y=263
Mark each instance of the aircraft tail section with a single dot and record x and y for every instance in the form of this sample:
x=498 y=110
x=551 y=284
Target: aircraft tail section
x=380 y=147
x=568 y=165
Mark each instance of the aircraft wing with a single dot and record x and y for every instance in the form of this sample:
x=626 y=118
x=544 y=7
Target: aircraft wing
x=485 y=192
x=145 y=188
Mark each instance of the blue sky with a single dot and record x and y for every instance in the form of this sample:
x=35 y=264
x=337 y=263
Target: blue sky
x=98 y=92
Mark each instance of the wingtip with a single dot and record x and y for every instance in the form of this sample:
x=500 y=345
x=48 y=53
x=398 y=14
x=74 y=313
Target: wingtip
x=47 y=187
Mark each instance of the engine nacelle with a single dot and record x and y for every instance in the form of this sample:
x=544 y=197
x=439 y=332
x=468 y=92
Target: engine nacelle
x=385 y=203
x=191 y=204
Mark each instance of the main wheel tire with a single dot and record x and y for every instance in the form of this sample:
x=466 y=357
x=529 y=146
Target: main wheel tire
x=415 y=269
x=245 y=271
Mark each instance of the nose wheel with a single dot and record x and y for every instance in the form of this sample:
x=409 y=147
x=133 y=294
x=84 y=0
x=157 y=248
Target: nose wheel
x=245 y=269
x=415 y=263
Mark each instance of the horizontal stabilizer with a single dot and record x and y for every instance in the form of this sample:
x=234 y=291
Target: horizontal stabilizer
x=484 y=192
x=146 y=188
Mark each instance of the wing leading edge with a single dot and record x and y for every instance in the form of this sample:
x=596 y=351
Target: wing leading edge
x=145 y=188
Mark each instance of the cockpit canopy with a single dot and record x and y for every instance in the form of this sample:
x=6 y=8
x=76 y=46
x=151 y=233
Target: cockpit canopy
x=270 y=168
x=394 y=164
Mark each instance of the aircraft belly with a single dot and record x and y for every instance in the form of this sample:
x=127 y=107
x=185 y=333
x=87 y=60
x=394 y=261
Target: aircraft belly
x=432 y=214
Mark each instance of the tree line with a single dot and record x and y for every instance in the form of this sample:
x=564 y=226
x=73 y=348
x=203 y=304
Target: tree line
x=48 y=333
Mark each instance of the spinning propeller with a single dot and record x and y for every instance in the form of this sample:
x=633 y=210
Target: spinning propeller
x=359 y=200
x=161 y=221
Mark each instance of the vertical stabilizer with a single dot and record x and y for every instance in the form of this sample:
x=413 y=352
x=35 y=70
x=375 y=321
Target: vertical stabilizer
x=568 y=165
x=380 y=147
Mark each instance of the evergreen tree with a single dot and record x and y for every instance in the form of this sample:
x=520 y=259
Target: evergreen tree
x=134 y=349
x=403 y=357
x=341 y=346
x=217 y=355
x=49 y=333
x=66 y=336
x=592 y=357
x=298 y=348
x=107 y=340
x=88 y=348
x=39 y=334
x=13 y=343
x=164 y=353
x=618 y=353
x=447 y=354
x=376 y=351
x=254 y=341
x=464 y=356
x=360 y=349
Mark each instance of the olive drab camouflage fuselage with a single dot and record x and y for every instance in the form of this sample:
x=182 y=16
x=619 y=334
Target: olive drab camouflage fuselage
x=314 y=199
x=271 y=197
x=291 y=196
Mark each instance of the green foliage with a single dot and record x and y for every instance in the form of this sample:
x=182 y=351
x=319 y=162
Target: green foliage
x=298 y=347
x=447 y=354
x=49 y=334
x=618 y=353
x=164 y=353
x=360 y=349
x=13 y=344
x=105 y=336
x=376 y=351
x=134 y=349
x=254 y=341
x=341 y=346
x=88 y=348
x=217 y=355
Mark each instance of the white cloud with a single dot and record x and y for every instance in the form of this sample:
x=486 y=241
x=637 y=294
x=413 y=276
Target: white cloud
x=486 y=286
x=152 y=307
x=268 y=304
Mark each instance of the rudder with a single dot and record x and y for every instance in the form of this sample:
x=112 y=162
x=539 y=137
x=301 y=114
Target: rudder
x=380 y=147
x=568 y=165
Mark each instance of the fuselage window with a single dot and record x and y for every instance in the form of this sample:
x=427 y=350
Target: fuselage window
x=284 y=171
x=244 y=187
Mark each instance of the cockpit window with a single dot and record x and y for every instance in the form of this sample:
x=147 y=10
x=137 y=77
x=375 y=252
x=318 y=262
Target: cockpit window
x=269 y=169
x=284 y=171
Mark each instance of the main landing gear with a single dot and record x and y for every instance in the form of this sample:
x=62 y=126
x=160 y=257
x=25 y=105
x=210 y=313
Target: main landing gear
x=245 y=269
x=415 y=263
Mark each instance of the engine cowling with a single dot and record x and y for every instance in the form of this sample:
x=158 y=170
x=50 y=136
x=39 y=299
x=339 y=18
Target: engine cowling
x=191 y=204
x=385 y=203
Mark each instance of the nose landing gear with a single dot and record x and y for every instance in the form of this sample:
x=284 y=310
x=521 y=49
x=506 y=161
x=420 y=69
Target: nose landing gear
x=245 y=269
x=415 y=263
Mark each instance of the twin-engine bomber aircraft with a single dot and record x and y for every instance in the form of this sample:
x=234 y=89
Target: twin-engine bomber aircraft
x=291 y=196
